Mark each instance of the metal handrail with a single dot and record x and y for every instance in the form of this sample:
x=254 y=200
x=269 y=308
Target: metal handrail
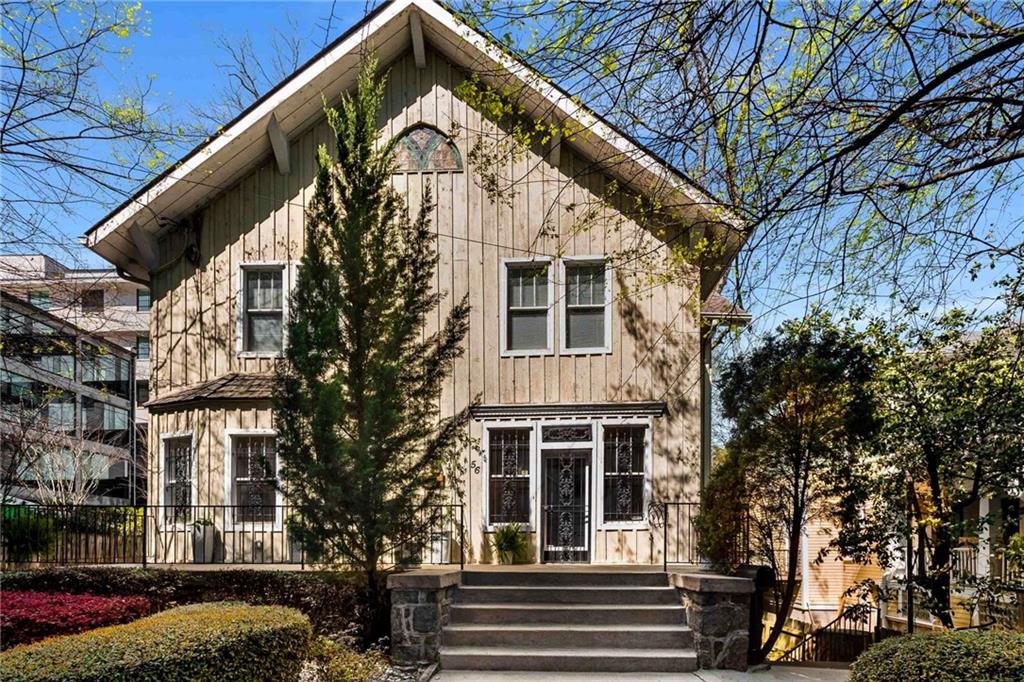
x=857 y=612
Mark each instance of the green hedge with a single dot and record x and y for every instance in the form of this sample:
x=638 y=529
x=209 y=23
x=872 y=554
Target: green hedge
x=331 y=599
x=197 y=642
x=990 y=656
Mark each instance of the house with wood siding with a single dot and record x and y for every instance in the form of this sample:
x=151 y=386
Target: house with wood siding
x=593 y=388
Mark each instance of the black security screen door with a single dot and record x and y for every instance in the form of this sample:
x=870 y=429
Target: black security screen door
x=566 y=510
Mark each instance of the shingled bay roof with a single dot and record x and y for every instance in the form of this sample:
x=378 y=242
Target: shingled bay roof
x=234 y=386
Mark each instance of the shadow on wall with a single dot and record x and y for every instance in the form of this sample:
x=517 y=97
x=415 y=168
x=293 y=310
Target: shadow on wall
x=668 y=353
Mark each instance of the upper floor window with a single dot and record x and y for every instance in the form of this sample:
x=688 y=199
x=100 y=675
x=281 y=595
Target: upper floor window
x=104 y=423
x=27 y=401
x=92 y=301
x=141 y=392
x=40 y=299
x=142 y=301
x=105 y=371
x=586 y=315
x=142 y=346
x=262 y=309
x=526 y=307
x=423 y=147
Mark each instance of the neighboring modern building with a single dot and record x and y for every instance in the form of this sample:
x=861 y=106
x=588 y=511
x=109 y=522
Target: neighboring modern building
x=66 y=393
x=594 y=396
x=96 y=300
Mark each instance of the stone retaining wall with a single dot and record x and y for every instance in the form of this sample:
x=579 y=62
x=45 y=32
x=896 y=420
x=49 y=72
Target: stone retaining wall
x=420 y=605
x=718 y=612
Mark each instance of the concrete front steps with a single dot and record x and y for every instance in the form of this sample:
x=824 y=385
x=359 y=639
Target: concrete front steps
x=586 y=621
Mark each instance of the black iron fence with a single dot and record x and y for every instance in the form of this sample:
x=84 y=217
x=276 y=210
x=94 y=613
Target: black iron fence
x=841 y=640
x=678 y=524
x=185 y=534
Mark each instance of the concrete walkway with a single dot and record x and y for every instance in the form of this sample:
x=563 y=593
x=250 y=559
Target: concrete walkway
x=775 y=674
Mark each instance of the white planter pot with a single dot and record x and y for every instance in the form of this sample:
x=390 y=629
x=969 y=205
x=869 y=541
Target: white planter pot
x=440 y=547
x=204 y=542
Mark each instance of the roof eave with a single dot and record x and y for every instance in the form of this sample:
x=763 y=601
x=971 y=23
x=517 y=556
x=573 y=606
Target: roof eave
x=117 y=237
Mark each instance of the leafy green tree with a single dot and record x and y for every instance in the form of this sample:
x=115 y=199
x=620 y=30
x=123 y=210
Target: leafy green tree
x=861 y=144
x=951 y=399
x=363 y=448
x=802 y=409
x=722 y=524
x=73 y=132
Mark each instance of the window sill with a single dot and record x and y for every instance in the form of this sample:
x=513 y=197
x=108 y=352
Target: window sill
x=540 y=352
x=523 y=527
x=253 y=527
x=585 y=351
x=624 y=525
x=259 y=354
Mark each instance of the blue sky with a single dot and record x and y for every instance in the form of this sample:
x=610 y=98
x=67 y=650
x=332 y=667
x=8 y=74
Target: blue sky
x=179 y=49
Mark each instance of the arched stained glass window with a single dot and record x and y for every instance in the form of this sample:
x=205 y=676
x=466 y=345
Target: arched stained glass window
x=424 y=148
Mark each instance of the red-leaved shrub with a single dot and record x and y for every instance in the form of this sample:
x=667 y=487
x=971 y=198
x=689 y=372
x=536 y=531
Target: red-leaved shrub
x=28 y=616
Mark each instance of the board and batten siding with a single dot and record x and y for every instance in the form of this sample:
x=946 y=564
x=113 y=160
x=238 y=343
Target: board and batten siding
x=655 y=337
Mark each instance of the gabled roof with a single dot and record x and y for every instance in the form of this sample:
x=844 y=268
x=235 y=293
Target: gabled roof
x=126 y=236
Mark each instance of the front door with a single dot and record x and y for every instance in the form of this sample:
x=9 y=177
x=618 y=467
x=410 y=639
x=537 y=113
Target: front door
x=566 y=510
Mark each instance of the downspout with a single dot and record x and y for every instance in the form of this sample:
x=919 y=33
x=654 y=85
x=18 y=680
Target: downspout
x=805 y=571
x=705 y=406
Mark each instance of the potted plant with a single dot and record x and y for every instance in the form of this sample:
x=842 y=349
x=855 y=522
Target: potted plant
x=204 y=541
x=509 y=543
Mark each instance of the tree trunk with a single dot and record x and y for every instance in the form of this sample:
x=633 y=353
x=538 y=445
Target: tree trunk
x=939 y=580
x=787 y=597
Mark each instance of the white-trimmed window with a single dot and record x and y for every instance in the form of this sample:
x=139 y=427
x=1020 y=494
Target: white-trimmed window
x=526 y=320
x=178 y=475
x=586 y=309
x=509 y=453
x=624 y=473
x=262 y=306
x=252 y=465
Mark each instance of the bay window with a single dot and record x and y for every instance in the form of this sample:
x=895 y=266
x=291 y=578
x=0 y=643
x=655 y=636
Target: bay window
x=508 y=473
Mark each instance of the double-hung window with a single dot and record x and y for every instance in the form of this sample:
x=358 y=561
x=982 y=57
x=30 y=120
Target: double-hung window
x=142 y=346
x=262 y=309
x=142 y=300
x=527 y=308
x=178 y=473
x=624 y=460
x=92 y=301
x=586 y=315
x=508 y=473
x=253 y=477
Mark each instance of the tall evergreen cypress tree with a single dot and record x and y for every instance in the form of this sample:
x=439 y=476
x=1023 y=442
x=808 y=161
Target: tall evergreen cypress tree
x=362 y=446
